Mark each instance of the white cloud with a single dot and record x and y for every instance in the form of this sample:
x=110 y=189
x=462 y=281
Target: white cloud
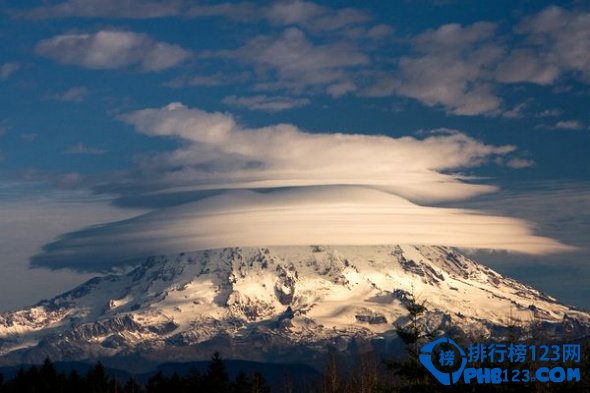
x=243 y=12
x=266 y=103
x=380 y=31
x=305 y=14
x=519 y=163
x=313 y=16
x=320 y=188
x=7 y=69
x=110 y=49
x=291 y=61
x=550 y=113
x=569 y=125
x=219 y=153
x=561 y=43
x=457 y=67
x=524 y=65
x=309 y=15
x=454 y=37
x=294 y=12
x=516 y=112
x=73 y=94
x=81 y=148
x=325 y=215
x=451 y=69
x=204 y=80
x=341 y=88
x=133 y=9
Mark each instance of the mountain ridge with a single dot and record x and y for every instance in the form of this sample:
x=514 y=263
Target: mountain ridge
x=278 y=303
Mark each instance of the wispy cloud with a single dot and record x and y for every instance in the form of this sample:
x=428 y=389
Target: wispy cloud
x=304 y=14
x=266 y=103
x=111 y=49
x=313 y=16
x=133 y=9
x=550 y=113
x=73 y=94
x=7 y=69
x=28 y=136
x=307 y=14
x=204 y=80
x=519 y=163
x=81 y=148
x=569 y=125
x=516 y=112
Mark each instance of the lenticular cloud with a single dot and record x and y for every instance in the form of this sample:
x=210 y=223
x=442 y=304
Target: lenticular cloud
x=279 y=185
x=219 y=153
x=325 y=215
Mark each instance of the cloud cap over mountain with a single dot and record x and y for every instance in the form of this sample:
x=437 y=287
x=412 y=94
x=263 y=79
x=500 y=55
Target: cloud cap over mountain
x=335 y=215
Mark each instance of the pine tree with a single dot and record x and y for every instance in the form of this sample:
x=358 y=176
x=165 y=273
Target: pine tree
x=413 y=335
x=97 y=380
x=259 y=384
x=242 y=384
x=216 y=379
x=74 y=383
x=132 y=386
x=48 y=378
x=157 y=383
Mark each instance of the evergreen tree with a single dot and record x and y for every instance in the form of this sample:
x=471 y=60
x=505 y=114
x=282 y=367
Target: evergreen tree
x=242 y=384
x=75 y=383
x=19 y=383
x=97 y=380
x=194 y=378
x=259 y=384
x=216 y=379
x=132 y=387
x=413 y=335
x=157 y=383
x=48 y=377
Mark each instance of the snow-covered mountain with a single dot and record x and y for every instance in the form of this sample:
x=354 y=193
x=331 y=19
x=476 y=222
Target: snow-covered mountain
x=272 y=304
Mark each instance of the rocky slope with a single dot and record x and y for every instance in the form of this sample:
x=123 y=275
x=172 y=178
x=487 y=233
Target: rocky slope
x=272 y=304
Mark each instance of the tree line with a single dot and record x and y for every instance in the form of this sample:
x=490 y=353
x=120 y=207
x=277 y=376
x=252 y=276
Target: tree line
x=46 y=379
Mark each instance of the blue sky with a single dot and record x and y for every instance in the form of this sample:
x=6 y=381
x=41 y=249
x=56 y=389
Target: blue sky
x=105 y=104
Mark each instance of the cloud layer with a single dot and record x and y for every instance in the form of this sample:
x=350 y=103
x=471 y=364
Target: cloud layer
x=314 y=49
x=218 y=153
x=304 y=216
x=324 y=188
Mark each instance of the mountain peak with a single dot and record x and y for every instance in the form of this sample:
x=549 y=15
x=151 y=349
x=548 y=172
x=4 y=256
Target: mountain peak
x=276 y=297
